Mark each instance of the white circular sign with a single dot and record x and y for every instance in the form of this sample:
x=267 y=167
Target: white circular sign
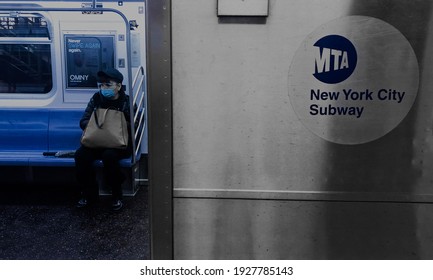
x=353 y=80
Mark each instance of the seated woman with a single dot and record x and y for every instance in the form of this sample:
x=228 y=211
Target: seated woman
x=110 y=95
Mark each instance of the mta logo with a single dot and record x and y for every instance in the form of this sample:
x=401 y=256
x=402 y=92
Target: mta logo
x=335 y=59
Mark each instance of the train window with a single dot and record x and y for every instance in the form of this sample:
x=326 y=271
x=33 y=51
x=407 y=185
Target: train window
x=85 y=56
x=25 y=55
x=25 y=68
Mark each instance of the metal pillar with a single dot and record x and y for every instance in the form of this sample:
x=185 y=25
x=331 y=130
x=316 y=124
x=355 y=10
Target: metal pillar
x=160 y=128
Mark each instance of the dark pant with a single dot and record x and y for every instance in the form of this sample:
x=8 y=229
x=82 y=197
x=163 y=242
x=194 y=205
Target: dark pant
x=113 y=177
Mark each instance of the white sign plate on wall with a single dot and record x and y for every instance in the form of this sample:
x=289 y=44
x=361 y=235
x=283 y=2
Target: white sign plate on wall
x=243 y=7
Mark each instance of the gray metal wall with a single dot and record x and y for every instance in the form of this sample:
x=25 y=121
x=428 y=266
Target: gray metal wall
x=253 y=180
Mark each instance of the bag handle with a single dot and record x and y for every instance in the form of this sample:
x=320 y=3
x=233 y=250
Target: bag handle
x=103 y=117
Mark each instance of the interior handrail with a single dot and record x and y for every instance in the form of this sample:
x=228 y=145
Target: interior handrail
x=141 y=134
x=138 y=93
x=134 y=82
x=141 y=101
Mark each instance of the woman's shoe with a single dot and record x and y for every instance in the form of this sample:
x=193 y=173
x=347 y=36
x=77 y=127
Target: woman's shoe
x=117 y=205
x=82 y=203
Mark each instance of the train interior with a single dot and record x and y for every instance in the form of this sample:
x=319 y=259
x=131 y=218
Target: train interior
x=50 y=54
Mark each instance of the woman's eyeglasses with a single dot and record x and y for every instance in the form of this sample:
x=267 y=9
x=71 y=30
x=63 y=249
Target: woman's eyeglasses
x=108 y=85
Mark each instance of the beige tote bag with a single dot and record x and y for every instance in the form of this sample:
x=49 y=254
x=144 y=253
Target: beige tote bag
x=107 y=128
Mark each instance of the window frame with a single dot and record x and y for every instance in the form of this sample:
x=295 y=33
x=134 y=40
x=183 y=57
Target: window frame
x=23 y=40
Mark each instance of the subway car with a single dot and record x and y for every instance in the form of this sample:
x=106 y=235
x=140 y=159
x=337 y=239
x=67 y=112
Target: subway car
x=300 y=130
x=50 y=52
x=274 y=129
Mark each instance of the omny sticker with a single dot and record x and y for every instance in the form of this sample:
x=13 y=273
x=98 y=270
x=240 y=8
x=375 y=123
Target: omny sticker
x=353 y=80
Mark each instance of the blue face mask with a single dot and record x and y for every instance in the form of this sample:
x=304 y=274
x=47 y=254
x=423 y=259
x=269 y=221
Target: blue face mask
x=108 y=93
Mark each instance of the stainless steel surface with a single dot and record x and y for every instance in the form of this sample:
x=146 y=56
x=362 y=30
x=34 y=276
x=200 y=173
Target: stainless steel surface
x=268 y=229
x=240 y=147
x=234 y=124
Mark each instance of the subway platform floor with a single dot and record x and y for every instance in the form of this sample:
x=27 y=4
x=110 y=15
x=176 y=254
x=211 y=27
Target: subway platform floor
x=42 y=223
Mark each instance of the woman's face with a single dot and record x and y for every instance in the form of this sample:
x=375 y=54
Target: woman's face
x=110 y=89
